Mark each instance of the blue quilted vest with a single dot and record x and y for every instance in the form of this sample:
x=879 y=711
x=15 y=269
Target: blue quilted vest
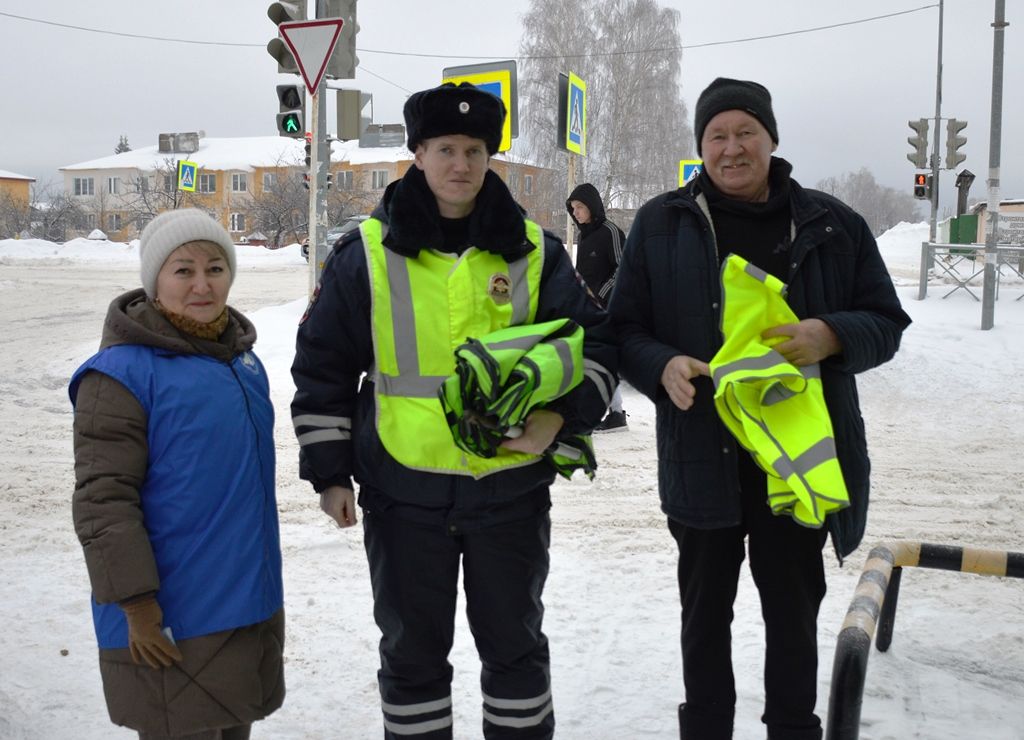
x=208 y=498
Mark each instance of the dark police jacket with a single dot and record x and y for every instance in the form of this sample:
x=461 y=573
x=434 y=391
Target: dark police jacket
x=334 y=350
x=667 y=301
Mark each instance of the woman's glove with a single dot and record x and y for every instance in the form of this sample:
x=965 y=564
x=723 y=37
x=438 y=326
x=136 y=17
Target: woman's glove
x=145 y=640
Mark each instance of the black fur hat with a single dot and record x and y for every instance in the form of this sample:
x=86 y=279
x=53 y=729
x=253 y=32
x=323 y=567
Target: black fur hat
x=725 y=94
x=450 y=109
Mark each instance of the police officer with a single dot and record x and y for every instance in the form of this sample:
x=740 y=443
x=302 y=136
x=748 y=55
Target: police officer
x=446 y=255
x=667 y=306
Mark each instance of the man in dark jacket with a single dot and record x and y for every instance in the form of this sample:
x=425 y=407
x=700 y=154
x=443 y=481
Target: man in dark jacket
x=597 y=261
x=446 y=255
x=667 y=308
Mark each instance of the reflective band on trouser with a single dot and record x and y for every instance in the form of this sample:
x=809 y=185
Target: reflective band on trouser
x=773 y=408
x=313 y=428
x=409 y=720
x=422 y=308
x=518 y=713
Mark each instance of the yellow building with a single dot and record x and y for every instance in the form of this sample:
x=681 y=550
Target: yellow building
x=15 y=201
x=246 y=182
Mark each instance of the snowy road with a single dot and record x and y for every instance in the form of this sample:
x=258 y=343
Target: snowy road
x=945 y=426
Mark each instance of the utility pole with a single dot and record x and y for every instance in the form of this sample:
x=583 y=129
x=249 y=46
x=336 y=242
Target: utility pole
x=933 y=226
x=319 y=163
x=988 y=295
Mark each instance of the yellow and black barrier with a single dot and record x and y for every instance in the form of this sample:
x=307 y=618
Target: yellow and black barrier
x=874 y=603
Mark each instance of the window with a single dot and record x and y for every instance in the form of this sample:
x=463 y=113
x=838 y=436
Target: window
x=239 y=182
x=141 y=221
x=513 y=182
x=269 y=180
x=169 y=183
x=90 y=221
x=380 y=179
x=343 y=179
x=84 y=186
x=238 y=222
x=207 y=183
x=528 y=184
x=113 y=185
x=113 y=222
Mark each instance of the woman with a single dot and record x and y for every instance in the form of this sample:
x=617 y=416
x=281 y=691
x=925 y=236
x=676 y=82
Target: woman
x=174 y=496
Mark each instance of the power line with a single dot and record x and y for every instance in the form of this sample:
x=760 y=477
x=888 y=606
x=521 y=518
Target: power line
x=506 y=56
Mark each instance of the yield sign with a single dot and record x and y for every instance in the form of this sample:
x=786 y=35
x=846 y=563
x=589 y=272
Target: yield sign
x=312 y=43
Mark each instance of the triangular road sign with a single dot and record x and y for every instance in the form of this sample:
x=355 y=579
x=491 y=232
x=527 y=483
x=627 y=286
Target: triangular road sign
x=312 y=43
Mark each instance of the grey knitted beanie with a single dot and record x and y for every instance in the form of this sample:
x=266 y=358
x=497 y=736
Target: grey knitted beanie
x=170 y=230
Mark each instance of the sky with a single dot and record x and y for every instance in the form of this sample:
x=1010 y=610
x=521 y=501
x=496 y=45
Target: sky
x=942 y=472
x=842 y=96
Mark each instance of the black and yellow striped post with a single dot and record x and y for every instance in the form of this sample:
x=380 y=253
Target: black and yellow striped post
x=874 y=604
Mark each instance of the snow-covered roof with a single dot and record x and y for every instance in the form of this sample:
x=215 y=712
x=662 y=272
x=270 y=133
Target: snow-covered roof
x=245 y=154
x=6 y=175
x=242 y=153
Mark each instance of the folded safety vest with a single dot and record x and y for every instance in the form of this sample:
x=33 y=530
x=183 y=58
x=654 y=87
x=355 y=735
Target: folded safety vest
x=774 y=409
x=503 y=376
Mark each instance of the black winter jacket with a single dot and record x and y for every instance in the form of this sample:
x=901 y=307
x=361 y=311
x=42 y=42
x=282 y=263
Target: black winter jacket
x=335 y=351
x=667 y=302
x=601 y=243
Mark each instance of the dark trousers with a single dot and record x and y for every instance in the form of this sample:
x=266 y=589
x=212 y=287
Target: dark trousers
x=414 y=570
x=786 y=564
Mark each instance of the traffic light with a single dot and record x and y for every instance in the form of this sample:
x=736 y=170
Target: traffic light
x=280 y=12
x=923 y=186
x=919 y=142
x=351 y=121
x=330 y=179
x=291 y=120
x=954 y=142
x=343 y=62
x=309 y=153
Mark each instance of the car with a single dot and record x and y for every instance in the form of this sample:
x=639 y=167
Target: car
x=350 y=223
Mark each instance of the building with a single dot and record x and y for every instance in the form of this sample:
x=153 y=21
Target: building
x=253 y=183
x=15 y=199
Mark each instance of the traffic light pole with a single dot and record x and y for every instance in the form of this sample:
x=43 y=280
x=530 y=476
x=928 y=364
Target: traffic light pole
x=933 y=223
x=988 y=295
x=319 y=161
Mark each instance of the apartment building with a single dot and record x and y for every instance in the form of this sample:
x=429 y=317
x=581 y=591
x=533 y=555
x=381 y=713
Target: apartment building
x=241 y=180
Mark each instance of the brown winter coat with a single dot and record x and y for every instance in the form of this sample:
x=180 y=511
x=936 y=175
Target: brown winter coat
x=226 y=678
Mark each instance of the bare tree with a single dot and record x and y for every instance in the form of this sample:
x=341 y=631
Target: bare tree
x=881 y=206
x=154 y=192
x=628 y=53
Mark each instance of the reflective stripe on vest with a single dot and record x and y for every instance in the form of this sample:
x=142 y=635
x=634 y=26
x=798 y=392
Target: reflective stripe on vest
x=774 y=409
x=422 y=309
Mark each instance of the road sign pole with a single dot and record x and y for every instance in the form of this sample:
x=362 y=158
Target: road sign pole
x=933 y=223
x=571 y=181
x=317 y=225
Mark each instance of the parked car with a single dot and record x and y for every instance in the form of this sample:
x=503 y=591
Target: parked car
x=333 y=234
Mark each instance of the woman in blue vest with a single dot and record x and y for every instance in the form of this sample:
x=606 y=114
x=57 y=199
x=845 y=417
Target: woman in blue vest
x=174 y=496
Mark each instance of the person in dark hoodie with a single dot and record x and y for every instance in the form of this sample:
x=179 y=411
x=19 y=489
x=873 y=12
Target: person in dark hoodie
x=668 y=310
x=597 y=261
x=174 y=500
x=446 y=255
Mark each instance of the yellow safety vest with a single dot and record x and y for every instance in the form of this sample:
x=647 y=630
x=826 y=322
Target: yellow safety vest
x=422 y=309
x=774 y=409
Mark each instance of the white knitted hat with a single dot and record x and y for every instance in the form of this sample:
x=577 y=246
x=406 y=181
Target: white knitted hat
x=170 y=230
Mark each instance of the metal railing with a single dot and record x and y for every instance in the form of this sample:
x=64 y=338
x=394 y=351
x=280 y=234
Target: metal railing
x=874 y=603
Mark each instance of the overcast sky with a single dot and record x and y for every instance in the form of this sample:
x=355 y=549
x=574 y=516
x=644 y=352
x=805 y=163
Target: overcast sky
x=842 y=96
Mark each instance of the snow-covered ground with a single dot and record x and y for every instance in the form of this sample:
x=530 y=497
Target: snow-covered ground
x=945 y=424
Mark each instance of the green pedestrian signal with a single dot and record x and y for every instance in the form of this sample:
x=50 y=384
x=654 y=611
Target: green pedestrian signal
x=291 y=123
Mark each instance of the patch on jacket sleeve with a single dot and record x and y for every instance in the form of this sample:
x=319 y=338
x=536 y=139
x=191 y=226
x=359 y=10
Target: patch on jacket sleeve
x=309 y=306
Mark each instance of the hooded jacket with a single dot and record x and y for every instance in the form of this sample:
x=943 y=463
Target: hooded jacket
x=335 y=349
x=601 y=243
x=667 y=302
x=230 y=676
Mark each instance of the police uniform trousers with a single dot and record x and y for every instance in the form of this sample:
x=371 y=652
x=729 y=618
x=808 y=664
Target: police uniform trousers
x=787 y=568
x=414 y=556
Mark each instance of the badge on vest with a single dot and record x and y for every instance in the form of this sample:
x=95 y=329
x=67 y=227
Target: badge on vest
x=500 y=288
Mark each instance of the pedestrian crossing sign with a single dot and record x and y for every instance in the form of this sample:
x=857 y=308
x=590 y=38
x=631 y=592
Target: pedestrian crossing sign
x=689 y=169
x=576 y=116
x=187 y=176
